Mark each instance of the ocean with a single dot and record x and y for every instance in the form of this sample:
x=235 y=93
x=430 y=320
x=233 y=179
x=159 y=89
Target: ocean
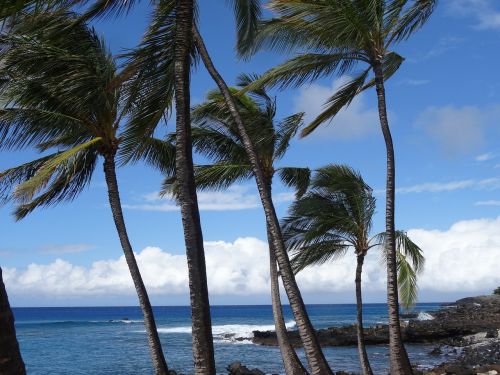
x=112 y=340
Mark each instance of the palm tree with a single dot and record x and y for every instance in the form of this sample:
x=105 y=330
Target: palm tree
x=316 y=359
x=215 y=135
x=63 y=92
x=336 y=36
x=203 y=350
x=336 y=215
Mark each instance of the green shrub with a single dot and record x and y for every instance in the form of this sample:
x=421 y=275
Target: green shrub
x=497 y=291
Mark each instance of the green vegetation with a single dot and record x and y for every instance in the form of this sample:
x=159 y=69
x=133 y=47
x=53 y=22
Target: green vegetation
x=63 y=96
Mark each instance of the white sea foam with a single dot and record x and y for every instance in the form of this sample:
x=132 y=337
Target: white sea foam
x=424 y=316
x=236 y=333
x=126 y=321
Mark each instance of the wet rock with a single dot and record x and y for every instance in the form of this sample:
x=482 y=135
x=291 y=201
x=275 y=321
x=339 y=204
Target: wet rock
x=436 y=351
x=450 y=324
x=236 y=368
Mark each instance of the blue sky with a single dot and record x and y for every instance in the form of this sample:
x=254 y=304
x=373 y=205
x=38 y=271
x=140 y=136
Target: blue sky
x=444 y=109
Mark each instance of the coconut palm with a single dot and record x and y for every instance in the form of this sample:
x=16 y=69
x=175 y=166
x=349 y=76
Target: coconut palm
x=216 y=136
x=336 y=37
x=315 y=356
x=64 y=94
x=336 y=215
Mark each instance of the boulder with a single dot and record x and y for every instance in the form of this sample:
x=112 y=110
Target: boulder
x=236 y=368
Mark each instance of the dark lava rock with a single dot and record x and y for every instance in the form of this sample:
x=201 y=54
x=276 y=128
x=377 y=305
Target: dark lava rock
x=458 y=370
x=467 y=316
x=236 y=368
x=436 y=351
x=492 y=334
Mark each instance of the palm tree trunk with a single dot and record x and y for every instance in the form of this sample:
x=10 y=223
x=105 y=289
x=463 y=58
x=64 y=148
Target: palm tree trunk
x=159 y=363
x=315 y=356
x=363 y=357
x=203 y=348
x=291 y=361
x=399 y=361
x=11 y=362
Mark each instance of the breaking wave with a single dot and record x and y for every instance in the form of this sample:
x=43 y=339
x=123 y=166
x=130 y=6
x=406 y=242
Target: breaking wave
x=235 y=333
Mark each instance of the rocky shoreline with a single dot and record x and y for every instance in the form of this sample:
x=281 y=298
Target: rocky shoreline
x=467 y=331
x=448 y=326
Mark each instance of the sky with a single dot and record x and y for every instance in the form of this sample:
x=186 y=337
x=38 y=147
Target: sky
x=444 y=111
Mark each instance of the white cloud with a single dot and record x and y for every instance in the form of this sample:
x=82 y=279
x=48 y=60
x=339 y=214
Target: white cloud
x=488 y=203
x=236 y=197
x=463 y=258
x=437 y=187
x=485 y=157
x=486 y=13
x=414 y=82
x=353 y=122
x=67 y=249
x=457 y=130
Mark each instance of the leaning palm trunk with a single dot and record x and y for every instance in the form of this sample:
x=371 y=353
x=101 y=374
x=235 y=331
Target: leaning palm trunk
x=315 y=356
x=11 y=362
x=203 y=349
x=399 y=361
x=363 y=357
x=159 y=363
x=291 y=361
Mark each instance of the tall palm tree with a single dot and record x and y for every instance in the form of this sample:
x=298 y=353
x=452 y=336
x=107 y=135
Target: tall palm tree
x=336 y=215
x=203 y=350
x=315 y=356
x=336 y=36
x=215 y=135
x=65 y=95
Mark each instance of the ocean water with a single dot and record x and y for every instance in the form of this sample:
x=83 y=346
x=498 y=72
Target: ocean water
x=112 y=340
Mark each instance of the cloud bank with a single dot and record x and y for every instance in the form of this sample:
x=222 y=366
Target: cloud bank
x=463 y=258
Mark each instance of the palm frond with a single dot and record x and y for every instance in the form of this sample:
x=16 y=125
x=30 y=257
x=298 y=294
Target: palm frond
x=317 y=254
x=407 y=281
x=157 y=153
x=12 y=177
x=296 y=178
x=220 y=176
x=410 y=263
x=247 y=14
x=286 y=130
x=62 y=165
x=305 y=68
x=412 y=18
x=149 y=89
x=341 y=99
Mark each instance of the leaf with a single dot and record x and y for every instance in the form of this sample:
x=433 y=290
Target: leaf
x=341 y=99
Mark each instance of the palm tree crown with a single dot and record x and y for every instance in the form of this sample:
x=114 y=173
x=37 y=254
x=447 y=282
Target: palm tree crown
x=335 y=37
x=63 y=94
x=216 y=136
x=335 y=215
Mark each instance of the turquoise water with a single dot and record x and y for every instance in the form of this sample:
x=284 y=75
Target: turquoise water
x=111 y=340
